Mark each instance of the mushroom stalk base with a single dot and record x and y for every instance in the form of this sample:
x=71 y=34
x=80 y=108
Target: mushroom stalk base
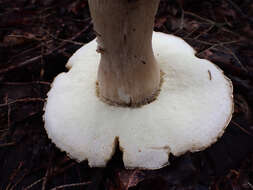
x=128 y=74
x=131 y=104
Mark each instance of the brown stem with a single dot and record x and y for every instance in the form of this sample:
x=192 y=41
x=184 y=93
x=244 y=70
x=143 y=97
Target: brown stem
x=128 y=73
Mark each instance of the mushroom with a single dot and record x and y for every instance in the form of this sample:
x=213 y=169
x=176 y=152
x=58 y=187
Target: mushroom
x=118 y=90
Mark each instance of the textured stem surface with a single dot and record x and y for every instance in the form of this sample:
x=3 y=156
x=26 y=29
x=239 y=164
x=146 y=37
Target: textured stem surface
x=128 y=73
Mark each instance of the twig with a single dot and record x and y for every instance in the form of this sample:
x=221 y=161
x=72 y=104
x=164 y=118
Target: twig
x=13 y=175
x=71 y=185
x=45 y=180
x=212 y=43
x=236 y=58
x=25 y=83
x=8 y=112
x=9 y=117
x=190 y=33
x=18 y=181
x=23 y=52
x=240 y=127
x=231 y=32
x=62 y=169
x=42 y=49
x=206 y=31
x=63 y=40
x=199 y=17
x=182 y=19
x=23 y=100
x=7 y=144
x=19 y=65
x=227 y=43
x=211 y=47
x=200 y=41
x=178 y=30
x=24 y=36
x=33 y=184
x=235 y=6
x=40 y=56
x=239 y=10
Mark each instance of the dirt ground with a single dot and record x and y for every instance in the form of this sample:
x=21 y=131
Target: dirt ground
x=36 y=39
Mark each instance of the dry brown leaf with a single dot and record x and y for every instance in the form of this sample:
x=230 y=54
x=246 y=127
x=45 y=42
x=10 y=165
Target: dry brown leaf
x=129 y=178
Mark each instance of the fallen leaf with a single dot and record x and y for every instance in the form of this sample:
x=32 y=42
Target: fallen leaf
x=129 y=178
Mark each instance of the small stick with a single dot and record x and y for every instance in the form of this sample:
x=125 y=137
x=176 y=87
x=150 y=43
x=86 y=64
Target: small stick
x=7 y=144
x=71 y=185
x=34 y=183
x=239 y=10
x=9 y=116
x=12 y=67
x=240 y=127
x=199 y=17
x=236 y=58
x=45 y=180
x=23 y=100
x=25 y=83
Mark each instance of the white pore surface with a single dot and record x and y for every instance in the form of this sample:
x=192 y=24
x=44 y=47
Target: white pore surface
x=191 y=112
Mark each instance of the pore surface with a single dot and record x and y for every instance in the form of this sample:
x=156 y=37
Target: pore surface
x=190 y=113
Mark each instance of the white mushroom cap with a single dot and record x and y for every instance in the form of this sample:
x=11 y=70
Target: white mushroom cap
x=191 y=112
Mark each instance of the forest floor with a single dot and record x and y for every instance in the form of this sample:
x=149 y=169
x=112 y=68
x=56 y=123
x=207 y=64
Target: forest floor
x=36 y=39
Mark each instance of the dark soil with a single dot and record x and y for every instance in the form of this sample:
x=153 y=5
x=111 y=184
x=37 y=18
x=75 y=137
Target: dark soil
x=36 y=39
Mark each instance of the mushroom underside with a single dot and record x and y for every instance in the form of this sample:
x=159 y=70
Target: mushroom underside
x=190 y=113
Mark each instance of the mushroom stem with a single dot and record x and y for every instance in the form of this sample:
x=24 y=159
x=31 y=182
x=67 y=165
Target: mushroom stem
x=128 y=74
